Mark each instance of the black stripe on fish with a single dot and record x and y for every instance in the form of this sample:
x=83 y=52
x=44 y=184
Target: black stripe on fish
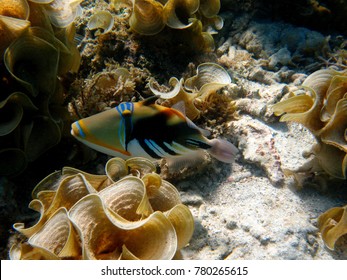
x=159 y=148
x=197 y=143
x=167 y=149
x=149 y=149
x=125 y=110
x=155 y=136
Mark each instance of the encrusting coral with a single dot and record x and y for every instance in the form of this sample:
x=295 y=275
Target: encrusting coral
x=129 y=213
x=321 y=106
x=37 y=48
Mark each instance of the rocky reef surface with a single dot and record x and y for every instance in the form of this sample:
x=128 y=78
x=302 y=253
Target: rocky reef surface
x=252 y=208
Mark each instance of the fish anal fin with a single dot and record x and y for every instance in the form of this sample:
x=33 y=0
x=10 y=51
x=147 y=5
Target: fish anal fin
x=178 y=163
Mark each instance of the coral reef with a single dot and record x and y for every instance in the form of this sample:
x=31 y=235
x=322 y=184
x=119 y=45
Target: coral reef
x=248 y=209
x=200 y=19
x=321 y=106
x=35 y=56
x=103 y=53
x=129 y=213
x=200 y=95
x=282 y=44
x=202 y=89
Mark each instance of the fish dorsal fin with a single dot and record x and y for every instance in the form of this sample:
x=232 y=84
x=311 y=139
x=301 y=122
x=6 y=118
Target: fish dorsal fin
x=192 y=125
x=205 y=132
x=149 y=101
x=179 y=106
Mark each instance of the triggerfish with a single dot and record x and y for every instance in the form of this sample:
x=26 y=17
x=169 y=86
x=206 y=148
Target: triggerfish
x=146 y=129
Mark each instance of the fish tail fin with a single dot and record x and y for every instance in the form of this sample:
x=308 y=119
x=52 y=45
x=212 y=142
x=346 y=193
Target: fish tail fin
x=222 y=150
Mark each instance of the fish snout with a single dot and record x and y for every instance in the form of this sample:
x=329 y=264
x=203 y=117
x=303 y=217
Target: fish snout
x=76 y=130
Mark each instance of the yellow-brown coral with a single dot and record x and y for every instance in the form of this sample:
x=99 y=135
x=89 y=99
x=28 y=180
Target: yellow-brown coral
x=147 y=17
x=14 y=16
x=209 y=79
x=112 y=216
x=103 y=20
x=198 y=18
x=34 y=55
x=61 y=12
x=322 y=108
x=333 y=224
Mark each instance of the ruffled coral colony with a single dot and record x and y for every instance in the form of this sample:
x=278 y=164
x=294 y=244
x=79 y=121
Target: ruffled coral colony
x=131 y=212
x=36 y=48
x=320 y=104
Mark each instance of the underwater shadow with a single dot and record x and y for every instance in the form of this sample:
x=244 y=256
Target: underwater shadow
x=198 y=240
x=205 y=181
x=278 y=126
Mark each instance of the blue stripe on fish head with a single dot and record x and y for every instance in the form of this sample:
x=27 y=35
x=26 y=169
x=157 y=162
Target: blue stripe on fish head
x=130 y=106
x=125 y=110
x=80 y=130
x=124 y=106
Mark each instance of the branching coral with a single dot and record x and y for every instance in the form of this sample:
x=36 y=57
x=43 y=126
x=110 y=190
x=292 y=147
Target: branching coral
x=321 y=106
x=34 y=55
x=129 y=213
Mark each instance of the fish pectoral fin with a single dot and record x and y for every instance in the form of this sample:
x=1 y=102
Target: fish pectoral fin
x=177 y=163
